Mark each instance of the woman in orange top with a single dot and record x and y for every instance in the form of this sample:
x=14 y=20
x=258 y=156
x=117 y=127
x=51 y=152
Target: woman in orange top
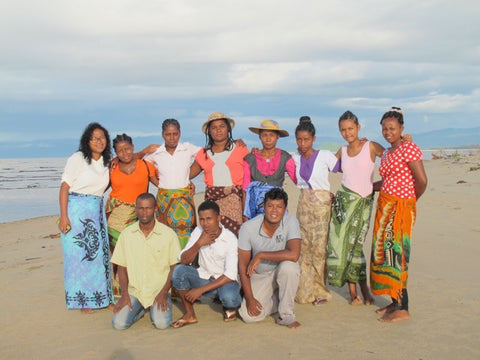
x=128 y=180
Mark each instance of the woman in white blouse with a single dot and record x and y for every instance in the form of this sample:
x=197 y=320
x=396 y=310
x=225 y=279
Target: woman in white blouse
x=83 y=225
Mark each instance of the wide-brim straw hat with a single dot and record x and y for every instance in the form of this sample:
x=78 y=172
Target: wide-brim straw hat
x=269 y=125
x=217 y=116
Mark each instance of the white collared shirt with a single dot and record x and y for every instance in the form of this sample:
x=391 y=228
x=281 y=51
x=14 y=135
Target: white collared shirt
x=174 y=169
x=217 y=259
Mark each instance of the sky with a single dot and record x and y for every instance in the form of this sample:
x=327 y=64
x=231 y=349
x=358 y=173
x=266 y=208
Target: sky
x=131 y=64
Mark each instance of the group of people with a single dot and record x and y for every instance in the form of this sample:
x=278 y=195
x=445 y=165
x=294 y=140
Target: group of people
x=246 y=250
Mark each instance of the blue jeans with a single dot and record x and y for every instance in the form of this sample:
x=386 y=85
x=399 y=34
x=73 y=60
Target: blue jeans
x=186 y=277
x=126 y=318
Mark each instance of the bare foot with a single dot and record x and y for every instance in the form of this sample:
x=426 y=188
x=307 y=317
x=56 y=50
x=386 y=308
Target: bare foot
x=294 y=325
x=184 y=321
x=387 y=309
x=369 y=301
x=397 y=315
x=356 y=301
x=86 y=311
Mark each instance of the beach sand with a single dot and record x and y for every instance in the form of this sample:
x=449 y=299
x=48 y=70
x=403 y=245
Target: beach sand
x=444 y=300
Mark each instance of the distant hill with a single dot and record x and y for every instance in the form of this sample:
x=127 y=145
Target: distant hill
x=448 y=138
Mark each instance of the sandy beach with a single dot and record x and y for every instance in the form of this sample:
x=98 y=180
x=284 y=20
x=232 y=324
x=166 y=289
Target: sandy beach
x=444 y=300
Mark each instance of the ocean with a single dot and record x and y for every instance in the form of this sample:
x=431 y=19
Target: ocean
x=29 y=187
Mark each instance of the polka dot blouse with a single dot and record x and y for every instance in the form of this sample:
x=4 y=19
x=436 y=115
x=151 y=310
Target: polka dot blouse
x=397 y=177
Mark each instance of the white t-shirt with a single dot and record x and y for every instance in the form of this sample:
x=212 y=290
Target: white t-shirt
x=85 y=178
x=217 y=259
x=324 y=163
x=174 y=169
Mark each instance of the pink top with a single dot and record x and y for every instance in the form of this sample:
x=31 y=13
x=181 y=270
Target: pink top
x=234 y=164
x=397 y=177
x=358 y=170
x=268 y=167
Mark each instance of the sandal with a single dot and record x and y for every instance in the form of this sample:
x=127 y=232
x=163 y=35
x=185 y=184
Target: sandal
x=319 y=301
x=229 y=315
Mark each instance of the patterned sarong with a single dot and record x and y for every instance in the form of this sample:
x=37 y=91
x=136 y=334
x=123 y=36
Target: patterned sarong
x=313 y=213
x=87 y=270
x=229 y=199
x=391 y=245
x=348 y=229
x=176 y=209
x=254 y=196
x=119 y=215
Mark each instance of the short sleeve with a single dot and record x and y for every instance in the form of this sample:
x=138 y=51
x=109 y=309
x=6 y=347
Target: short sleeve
x=151 y=168
x=411 y=152
x=331 y=160
x=243 y=239
x=72 y=168
x=293 y=228
x=118 y=256
x=174 y=249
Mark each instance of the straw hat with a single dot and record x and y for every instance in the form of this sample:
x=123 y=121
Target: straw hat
x=269 y=125
x=217 y=116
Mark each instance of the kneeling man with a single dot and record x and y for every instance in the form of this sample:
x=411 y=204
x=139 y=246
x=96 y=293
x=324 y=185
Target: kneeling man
x=146 y=253
x=217 y=274
x=268 y=250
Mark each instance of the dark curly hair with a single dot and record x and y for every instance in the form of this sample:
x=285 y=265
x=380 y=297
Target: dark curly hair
x=209 y=139
x=85 y=143
x=276 y=194
x=121 y=138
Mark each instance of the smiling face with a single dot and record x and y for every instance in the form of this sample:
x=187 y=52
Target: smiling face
x=124 y=151
x=305 y=142
x=274 y=211
x=349 y=130
x=218 y=130
x=269 y=139
x=171 y=135
x=392 y=131
x=98 y=143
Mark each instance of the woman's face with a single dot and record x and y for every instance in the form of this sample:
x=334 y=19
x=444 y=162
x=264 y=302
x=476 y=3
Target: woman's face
x=218 y=130
x=349 y=130
x=269 y=139
x=124 y=151
x=171 y=135
x=305 y=142
x=98 y=142
x=392 y=130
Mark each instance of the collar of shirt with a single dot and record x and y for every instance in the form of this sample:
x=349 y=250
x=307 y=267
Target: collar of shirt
x=157 y=229
x=264 y=234
x=180 y=147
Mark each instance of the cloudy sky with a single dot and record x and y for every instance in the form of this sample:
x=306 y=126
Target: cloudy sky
x=131 y=64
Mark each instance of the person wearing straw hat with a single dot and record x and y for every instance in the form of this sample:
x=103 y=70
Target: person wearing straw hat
x=266 y=168
x=222 y=163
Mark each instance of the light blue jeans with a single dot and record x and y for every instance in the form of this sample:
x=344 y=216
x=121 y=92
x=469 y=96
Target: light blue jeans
x=186 y=277
x=126 y=318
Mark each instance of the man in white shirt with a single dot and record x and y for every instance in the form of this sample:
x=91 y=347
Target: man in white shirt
x=216 y=276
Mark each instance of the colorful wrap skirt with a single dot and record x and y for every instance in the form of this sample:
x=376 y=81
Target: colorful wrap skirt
x=119 y=215
x=254 y=197
x=86 y=255
x=230 y=201
x=348 y=229
x=391 y=245
x=313 y=213
x=176 y=209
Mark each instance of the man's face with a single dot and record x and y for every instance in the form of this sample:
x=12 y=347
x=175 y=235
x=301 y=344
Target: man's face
x=209 y=221
x=274 y=210
x=145 y=209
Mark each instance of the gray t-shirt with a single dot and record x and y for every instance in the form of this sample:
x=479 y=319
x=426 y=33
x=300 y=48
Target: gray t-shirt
x=253 y=238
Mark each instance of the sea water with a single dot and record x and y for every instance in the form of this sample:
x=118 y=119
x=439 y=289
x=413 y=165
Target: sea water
x=29 y=187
